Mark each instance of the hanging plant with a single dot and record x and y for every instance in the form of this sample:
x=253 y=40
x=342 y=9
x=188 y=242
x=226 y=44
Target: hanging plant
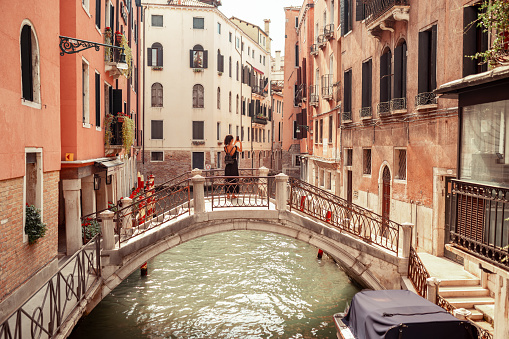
x=128 y=134
x=89 y=229
x=108 y=120
x=128 y=56
x=34 y=227
x=494 y=18
x=108 y=41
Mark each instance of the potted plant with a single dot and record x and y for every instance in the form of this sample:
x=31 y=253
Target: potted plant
x=127 y=133
x=89 y=229
x=34 y=227
x=108 y=120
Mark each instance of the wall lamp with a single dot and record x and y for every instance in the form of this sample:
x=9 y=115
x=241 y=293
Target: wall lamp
x=108 y=179
x=73 y=45
x=306 y=127
x=97 y=182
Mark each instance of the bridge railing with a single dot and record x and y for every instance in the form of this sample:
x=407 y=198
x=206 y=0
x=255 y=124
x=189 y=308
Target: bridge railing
x=43 y=314
x=242 y=191
x=348 y=217
x=417 y=273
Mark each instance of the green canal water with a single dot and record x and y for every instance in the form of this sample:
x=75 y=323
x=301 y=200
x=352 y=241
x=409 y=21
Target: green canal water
x=240 y=284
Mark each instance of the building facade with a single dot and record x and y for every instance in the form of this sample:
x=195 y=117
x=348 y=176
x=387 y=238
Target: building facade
x=216 y=84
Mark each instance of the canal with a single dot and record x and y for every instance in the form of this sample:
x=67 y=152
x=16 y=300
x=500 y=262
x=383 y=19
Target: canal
x=241 y=284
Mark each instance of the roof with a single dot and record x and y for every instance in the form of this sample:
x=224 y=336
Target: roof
x=189 y=3
x=244 y=21
x=451 y=89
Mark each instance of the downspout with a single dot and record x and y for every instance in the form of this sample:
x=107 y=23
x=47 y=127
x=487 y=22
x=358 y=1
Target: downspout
x=143 y=115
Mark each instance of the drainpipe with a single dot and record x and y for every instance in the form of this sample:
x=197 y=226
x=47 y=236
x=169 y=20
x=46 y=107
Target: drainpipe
x=143 y=115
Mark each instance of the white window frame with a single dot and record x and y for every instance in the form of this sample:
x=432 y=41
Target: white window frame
x=39 y=199
x=86 y=90
x=36 y=73
x=156 y=160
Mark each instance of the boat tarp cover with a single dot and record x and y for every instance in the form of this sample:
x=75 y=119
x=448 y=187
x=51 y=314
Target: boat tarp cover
x=402 y=314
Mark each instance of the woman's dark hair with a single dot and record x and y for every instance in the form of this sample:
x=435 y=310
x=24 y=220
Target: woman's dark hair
x=228 y=139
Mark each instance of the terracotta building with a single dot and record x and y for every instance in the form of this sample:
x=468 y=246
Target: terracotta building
x=29 y=145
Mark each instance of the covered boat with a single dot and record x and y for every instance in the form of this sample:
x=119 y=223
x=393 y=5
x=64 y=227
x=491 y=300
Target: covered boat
x=399 y=314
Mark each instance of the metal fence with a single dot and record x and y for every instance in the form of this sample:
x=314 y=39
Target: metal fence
x=242 y=191
x=417 y=273
x=51 y=306
x=376 y=8
x=348 y=217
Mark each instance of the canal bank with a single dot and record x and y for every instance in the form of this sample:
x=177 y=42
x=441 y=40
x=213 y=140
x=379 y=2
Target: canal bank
x=234 y=284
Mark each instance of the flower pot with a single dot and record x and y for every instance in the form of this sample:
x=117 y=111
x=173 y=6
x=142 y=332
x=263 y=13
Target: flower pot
x=120 y=119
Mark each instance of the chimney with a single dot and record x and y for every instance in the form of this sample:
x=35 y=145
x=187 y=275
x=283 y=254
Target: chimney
x=278 y=61
x=267 y=45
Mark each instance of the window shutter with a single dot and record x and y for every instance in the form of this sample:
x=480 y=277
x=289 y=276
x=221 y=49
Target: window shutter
x=342 y=12
x=383 y=78
x=398 y=71
x=160 y=56
x=299 y=76
x=303 y=76
x=359 y=10
x=348 y=92
x=251 y=109
x=97 y=100
x=117 y=101
x=159 y=95
x=191 y=63
x=469 y=40
x=98 y=13
x=298 y=117
x=149 y=56
x=433 y=63
x=303 y=131
x=205 y=59
x=423 y=82
x=366 y=84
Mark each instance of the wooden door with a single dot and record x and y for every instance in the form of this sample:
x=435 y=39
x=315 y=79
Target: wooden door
x=349 y=190
x=386 y=198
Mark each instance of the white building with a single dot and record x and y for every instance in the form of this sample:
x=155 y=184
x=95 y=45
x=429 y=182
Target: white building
x=205 y=78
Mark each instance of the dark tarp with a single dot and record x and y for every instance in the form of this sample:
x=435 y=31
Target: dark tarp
x=384 y=314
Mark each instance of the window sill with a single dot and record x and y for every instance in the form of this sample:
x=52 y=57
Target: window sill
x=86 y=125
x=400 y=181
x=98 y=30
x=32 y=104
x=366 y=175
x=98 y=128
x=197 y=70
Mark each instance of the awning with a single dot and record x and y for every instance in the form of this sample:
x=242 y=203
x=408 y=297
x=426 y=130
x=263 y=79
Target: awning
x=451 y=89
x=111 y=166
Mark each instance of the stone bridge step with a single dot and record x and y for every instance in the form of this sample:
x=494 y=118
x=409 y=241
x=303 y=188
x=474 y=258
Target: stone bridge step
x=476 y=315
x=459 y=282
x=463 y=291
x=488 y=312
x=469 y=302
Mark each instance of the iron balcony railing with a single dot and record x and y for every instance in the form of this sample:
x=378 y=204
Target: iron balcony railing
x=383 y=108
x=348 y=217
x=260 y=119
x=425 y=98
x=314 y=95
x=314 y=49
x=376 y=8
x=327 y=81
x=417 y=273
x=478 y=220
x=347 y=117
x=321 y=41
x=304 y=91
x=398 y=104
x=365 y=112
x=328 y=31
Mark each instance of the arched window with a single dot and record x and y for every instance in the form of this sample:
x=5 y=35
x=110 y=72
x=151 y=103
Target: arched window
x=385 y=75
x=237 y=105
x=198 y=57
x=155 y=55
x=29 y=49
x=198 y=96
x=230 y=102
x=218 y=98
x=400 y=64
x=157 y=95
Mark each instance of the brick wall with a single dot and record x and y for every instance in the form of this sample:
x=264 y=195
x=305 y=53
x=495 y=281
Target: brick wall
x=18 y=260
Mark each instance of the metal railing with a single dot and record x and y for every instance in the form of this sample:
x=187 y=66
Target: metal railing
x=383 y=108
x=51 y=306
x=242 y=191
x=314 y=95
x=365 y=112
x=417 y=273
x=398 y=104
x=327 y=81
x=425 y=98
x=328 y=30
x=376 y=8
x=347 y=117
x=478 y=220
x=360 y=222
x=321 y=41
x=314 y=49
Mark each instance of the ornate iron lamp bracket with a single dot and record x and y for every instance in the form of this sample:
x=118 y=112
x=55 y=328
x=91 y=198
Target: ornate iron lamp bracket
x=72 y=45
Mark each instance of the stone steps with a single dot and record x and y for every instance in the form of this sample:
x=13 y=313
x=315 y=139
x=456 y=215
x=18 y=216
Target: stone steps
x=469 y=302
x=463 y=291
x=459 y=282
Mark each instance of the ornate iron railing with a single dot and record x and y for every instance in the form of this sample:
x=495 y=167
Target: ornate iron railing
x=384 y=108
x=327 y=86
x=314 y=95
x=321 y=41
x=242 y=191
x=314 y=49
x=50 y=307
x=365 y=112
x=425 y=98
x=328 y=30
x=417 y=273
x=347 y=217
x=398 y=104
x=478 y=220
x=347 y=117
x=376 y=8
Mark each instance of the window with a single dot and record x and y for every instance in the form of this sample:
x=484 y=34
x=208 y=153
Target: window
x=264 y=60
x=296 y=55
x=400 y=163
x=85 y=92
x=198 y=23
x=237 y=132
x=198 y=57
x=198 y=130
x=220 y=61
x=219 y=159
x=218 y=28
x=218 y=98
x=97 y=99
x=156 y=129
x=320 y=139
x=349 y=157
x=296 y=21
x=385 y=76
x=347 y=95
x=229 y=128
x=33 y=186
x=253 y=53
x=155 y=55
x=295 y=134
x=156 y=156
x=366 y=161
x=237 y=42
x=98 y=13
x=30 y=81
x=321 y=176
x=218 y=131
x=85 y=4
x=316 y=131
x=157 y=95
x=427 y=71
x=242 y=134
x=474 y=40
x=107 y=99
x=230 y=102
x=360 y=11
x=230 y=67
x=366 y=83
x=400 y=67
x=237 y=105
x=198 y=160
x=198 y=96
x=237 y=71
x=330 y=129
x=328 y=180
x=230 y=37
x=109 y=14
x=346 y=16
x=157 y=20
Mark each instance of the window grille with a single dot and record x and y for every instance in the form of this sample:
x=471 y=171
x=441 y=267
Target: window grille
x=401 y=163
x=349 y=157
x=366 y=161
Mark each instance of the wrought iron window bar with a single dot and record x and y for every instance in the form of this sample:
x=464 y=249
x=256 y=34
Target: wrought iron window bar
x=328 y=31
x=425 y=98
x=376 y=8
x=347 y=117
x=384 y=108
x=398 y=104
x=365 y=112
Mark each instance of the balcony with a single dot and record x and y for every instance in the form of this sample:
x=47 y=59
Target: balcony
x=384 y=109
x=327 y=86
x=321 y=41
x=398 y=106
x=314 y=95
x=257 y=90
x=365 y=113
x=260 y=119
x=299 y=95
x=303 y=88
x=328 y=31
x=425 y=100
x=112 y=60
x=314 y=49
x=347 y=117
x=381 y=15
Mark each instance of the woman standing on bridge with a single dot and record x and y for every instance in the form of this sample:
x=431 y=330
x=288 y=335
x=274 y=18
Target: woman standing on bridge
x=232 y=167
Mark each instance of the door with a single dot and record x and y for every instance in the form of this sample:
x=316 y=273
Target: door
x=349 y=192
x=386 y=199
